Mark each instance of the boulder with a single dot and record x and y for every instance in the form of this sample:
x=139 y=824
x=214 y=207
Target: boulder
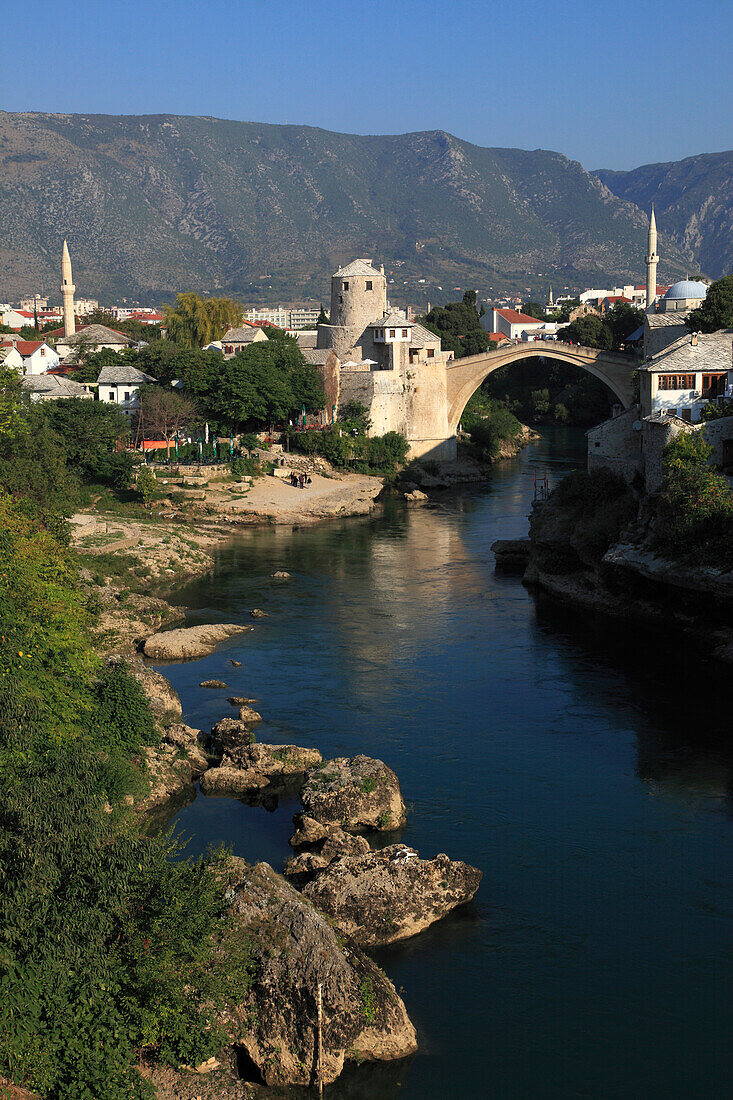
x=281 y=575
x=247 y=714
x=416 y=496
x=258 y=613
x=228 y=735
x=294 y=949
x=228 y=779
x=236 y=664
x=380 y=897
x=163 y=699
x=336 y=845
x=307 y=831
x=190 y=642
x=212 y=684
x=173 y=765
x=356 y=793
x=512 y=555
x=240 y=700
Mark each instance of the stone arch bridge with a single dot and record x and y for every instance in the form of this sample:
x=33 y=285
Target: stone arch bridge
x=462 y=377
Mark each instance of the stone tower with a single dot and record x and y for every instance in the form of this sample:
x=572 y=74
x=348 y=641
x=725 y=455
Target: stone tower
x=652 y=259
x=67 y=292
x=358 y=297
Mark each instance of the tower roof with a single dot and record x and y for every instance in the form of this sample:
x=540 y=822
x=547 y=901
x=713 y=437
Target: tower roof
x=356 y=267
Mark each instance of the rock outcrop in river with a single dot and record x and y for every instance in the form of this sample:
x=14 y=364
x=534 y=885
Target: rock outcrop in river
x=388 y=895
x=190 y=642
x=294 y=948
x=251 y=766
x=354 y=793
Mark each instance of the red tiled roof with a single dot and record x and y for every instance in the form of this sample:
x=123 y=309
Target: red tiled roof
x=515 y=318
x=497 y=336
x=27 y=347
x=617 y=298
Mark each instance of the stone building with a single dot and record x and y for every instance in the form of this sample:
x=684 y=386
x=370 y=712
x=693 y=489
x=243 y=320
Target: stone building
x=387 y=362
x=236 y=338
x=682 y=378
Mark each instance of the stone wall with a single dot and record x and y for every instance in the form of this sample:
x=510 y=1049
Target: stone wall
x=718 y=433
x=616 y=446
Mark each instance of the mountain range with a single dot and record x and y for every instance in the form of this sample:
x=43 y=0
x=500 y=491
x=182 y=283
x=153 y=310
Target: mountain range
x=155 y=204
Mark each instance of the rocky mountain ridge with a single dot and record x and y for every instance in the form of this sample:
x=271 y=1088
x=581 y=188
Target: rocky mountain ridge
x=158 y=203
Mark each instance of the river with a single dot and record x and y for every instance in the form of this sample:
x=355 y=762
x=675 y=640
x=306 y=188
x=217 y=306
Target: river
x=585 y=768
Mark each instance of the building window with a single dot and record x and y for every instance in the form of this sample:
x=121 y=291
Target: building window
x=404 y=334
x=676 y=382
x=713 y=385
x=369 y=284
x=43 y=351
x=111 y=395
x=391 y=334
x=127 y=396
x=341 y=299
x=431 y=353
x=346 y=286
x=686 y=414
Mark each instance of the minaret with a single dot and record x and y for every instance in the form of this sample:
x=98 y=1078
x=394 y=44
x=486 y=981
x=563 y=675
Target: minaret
x=652 y=259
x=550 y=300
x=67 y=292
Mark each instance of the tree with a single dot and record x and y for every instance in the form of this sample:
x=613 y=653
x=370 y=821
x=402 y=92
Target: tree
x=164 y=413
x=589 y=331
x=322 y=317
x=534 y=309
x=195 y=321
x=266 y=382
x=716 y=311
x=93 y=435
x=458 y=324
x=622 y=320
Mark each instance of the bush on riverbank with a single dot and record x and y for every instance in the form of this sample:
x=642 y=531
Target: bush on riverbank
x=489 y=424
x=694 y=512
x=107 y=946
x=380 y=454
x=592 y=509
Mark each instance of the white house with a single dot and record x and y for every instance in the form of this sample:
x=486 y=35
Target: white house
x=512 y=324
x=681 y=379
x=38 y=356
x=89 y=338
x=118 y=385
x=17 y=318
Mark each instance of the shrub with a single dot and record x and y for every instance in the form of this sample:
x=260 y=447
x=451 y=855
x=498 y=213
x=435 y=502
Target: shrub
x=694 y=514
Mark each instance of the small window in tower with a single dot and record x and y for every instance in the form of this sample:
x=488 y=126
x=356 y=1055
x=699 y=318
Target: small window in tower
x=346 y=286
x=341 y=299
x=369 y=284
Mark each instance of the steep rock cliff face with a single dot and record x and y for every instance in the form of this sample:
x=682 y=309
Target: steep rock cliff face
x=153 y=204
x=693 y=199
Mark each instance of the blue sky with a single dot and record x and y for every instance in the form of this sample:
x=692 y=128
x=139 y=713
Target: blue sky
x=610 y=85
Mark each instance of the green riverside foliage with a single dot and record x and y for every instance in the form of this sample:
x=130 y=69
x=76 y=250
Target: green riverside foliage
x=107 y=945
x=547 y=391
x=489 y=424
x=602 y=504
x=380 y=454
x=695 y=507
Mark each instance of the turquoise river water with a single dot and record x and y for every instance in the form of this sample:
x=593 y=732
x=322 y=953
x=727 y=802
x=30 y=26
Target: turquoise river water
x=584 y=767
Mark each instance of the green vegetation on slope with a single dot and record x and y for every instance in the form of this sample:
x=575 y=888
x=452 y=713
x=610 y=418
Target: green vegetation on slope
x=107 y=946
x=695 y=507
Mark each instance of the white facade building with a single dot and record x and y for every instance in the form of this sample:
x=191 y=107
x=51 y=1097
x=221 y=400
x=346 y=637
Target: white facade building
x=681 y=379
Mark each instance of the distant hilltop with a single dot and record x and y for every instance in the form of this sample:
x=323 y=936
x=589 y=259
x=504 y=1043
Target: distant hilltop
x=158 y=203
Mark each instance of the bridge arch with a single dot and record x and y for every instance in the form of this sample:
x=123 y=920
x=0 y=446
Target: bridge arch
x=464 y=376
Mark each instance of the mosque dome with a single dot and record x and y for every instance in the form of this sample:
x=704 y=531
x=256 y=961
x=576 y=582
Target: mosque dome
x=687 y=288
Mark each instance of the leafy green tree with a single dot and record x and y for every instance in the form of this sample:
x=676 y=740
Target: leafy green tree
x=716 y=310
x=195 y=321
x=534 y=309
x=458 y=325
x=265 y=383
x=622 y=320
x=590 y=332
x=695 y=506
x=146 y=485
x=322 y=317
x=93 y=434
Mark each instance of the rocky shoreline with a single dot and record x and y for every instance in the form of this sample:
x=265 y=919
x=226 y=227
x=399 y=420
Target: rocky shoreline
x=310 y=925
x=628 y=581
